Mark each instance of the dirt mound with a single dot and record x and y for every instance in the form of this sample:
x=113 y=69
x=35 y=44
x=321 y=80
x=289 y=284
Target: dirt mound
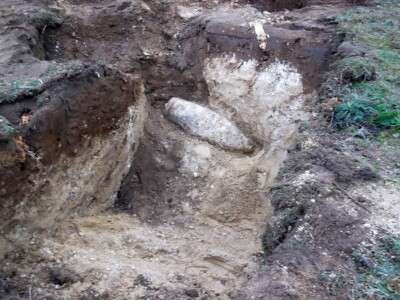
x=276 y=5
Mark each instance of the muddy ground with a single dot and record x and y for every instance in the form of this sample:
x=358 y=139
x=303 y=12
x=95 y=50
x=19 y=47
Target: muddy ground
x=104 y=195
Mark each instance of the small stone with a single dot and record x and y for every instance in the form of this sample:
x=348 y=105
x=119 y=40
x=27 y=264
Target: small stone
x=394 y=285
x=187 y=13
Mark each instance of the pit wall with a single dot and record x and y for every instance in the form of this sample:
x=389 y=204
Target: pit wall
x=79 y=179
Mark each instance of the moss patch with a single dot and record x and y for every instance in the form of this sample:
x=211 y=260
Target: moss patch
x=7 y=131
x=15 y=89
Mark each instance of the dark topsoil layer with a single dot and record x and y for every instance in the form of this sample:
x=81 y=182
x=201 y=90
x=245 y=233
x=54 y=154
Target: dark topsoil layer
x=51 y=108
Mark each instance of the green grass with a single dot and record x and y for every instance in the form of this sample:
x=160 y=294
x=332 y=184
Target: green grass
x=369 y=86
x=374 y=280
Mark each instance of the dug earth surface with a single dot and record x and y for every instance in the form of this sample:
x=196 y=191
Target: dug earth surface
x=140 y=141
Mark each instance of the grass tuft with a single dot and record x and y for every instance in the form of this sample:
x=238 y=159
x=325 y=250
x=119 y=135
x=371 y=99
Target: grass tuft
x=368 y=85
